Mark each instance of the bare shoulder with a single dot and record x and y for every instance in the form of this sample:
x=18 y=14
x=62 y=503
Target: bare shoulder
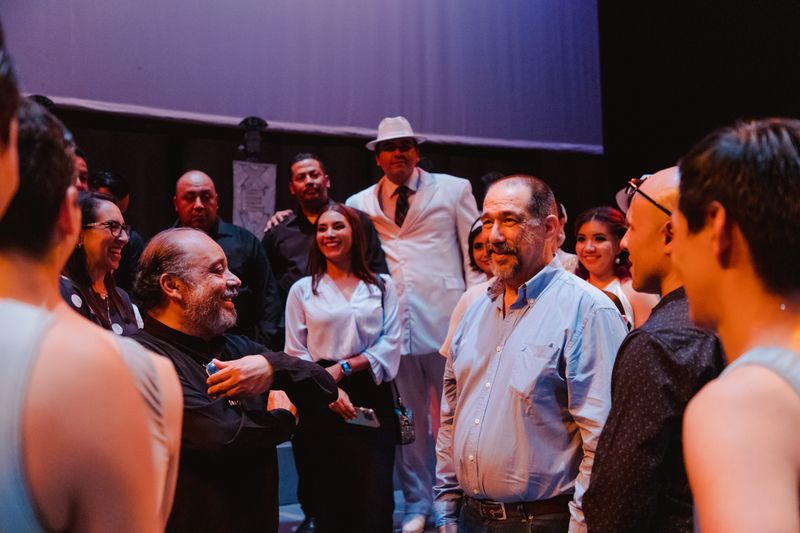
x=743 y=453
x=82 y=397
x=641 y=302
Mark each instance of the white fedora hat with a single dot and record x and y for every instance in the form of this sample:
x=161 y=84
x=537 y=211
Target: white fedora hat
x=394 y=128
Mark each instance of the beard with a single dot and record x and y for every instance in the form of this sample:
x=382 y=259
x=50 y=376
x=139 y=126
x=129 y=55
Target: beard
x=513 y=264
x=208 y=313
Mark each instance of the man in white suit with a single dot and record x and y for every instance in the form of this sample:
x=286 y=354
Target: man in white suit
x=423 y=220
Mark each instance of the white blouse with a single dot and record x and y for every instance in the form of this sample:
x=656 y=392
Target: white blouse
x=328 y=326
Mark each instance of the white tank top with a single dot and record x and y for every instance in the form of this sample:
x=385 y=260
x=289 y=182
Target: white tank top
x=615 y=288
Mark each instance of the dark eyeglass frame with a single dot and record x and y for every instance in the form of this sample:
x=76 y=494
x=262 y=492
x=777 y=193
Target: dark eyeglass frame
x=113 y=227
x=633 y=187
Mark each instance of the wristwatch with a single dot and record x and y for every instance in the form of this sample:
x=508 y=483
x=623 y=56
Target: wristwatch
x=346 y=368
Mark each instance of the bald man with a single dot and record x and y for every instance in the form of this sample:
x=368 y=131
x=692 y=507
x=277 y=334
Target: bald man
x=639 y=480
x=258 y=304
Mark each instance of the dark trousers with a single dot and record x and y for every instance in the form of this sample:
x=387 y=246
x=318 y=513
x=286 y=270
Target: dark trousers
x=347 y=469
x=470 y=521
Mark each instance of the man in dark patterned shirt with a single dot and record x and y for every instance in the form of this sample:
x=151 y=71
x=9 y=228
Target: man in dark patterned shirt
x=639 y=480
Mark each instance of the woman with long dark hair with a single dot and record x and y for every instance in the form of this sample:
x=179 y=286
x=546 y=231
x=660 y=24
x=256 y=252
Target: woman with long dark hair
x=87 y=283
x=601 y=262
x=344 y=317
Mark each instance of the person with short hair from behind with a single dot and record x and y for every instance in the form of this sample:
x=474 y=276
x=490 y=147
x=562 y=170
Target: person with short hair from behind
x=737 y=248
x=75 y=450
x=639 y=480
x=114 y=185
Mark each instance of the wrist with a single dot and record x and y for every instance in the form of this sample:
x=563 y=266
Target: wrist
x=345 y=367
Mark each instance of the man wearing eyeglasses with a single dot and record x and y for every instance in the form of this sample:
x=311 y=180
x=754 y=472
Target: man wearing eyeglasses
x=423 y=220
x=639 y=481
x=258 y=304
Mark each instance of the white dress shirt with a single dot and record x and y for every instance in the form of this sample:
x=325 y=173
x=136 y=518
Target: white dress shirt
x=327 y=326
x=388 y=198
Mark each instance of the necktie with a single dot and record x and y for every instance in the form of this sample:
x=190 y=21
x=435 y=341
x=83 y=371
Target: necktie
x=401 y=207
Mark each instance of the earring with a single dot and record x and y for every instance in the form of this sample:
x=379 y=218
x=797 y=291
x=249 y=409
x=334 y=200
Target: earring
x=617 y=260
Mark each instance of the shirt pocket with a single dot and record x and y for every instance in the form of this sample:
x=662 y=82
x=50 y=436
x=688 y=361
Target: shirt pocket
x=534 y=368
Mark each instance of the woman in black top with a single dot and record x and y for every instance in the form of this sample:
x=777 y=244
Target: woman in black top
x=88 y=282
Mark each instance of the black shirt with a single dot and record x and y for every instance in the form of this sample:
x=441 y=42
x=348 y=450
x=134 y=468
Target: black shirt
x=76 y=298
x=258 y=306
x=287 y=246
x=227 y=478
x=638 y=480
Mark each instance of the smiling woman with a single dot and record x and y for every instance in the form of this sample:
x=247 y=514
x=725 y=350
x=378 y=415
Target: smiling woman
x=601 y=261
x=88 y=283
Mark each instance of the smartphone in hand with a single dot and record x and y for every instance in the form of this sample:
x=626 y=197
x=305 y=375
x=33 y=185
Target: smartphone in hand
x=365 y=417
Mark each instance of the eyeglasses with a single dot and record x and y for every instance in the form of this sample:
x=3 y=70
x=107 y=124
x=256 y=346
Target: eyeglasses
x=113 y=227
x=625 y=196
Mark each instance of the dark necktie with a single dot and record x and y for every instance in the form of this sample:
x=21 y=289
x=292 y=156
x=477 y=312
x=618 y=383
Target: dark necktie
x=401 y=207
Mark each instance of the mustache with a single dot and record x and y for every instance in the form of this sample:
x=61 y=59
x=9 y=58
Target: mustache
x=501 y=248
x=230 y=293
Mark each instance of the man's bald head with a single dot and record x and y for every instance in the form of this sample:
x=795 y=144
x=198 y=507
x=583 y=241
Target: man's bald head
x=661 y=187
x=649 y=236
x=196 y=200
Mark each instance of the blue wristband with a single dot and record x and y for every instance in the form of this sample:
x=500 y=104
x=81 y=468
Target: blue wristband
x=346 y=368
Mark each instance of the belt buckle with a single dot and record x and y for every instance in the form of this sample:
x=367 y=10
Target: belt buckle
x=493 y=510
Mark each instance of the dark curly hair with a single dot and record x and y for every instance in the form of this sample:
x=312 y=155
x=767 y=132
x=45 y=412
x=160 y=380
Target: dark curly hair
x=615 y=221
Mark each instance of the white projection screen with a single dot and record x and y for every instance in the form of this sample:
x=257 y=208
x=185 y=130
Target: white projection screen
x=517 y=73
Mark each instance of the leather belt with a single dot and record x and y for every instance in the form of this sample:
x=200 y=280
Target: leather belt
x=504 y=511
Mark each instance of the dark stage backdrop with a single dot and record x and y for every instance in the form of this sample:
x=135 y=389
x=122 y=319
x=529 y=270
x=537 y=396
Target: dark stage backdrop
x=673 y=71
x=152 y=154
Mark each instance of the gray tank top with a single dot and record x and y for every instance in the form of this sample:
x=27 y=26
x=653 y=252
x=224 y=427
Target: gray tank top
x=22 y=328
x=145 y=376
x=783 y=362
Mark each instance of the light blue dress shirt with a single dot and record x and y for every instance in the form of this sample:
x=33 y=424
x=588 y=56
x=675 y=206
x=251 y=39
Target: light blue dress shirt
x=526 y=394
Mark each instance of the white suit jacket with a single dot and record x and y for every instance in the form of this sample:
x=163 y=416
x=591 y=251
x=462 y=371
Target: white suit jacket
x=427 y=257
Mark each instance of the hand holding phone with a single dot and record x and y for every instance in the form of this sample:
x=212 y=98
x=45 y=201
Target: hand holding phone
x=365 y=417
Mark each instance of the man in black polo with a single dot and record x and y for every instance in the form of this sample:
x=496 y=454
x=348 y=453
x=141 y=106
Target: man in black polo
x=287 y=243
x=258 y=304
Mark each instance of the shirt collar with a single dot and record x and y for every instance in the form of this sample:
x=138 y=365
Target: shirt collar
x=412 y=182
x=301 y=220
x=677 y=294
x=219 y=227
x=531 y=290
x=212 y=348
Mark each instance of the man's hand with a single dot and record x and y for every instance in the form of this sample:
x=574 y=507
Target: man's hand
x=277 y=218
x=343 y=407
x=279 y=400
x=240 y=378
